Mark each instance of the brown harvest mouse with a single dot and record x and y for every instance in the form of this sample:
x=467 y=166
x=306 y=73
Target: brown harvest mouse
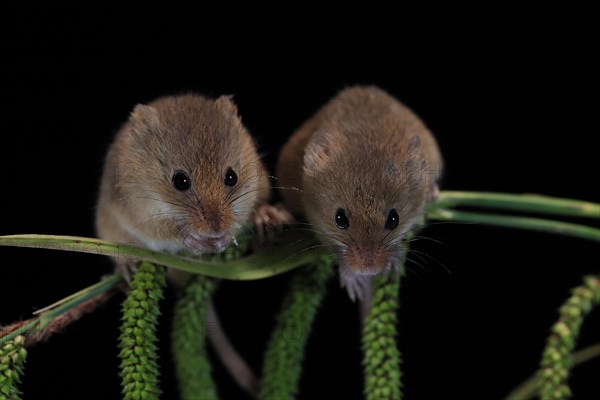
x=183 y=174
x=366 y=166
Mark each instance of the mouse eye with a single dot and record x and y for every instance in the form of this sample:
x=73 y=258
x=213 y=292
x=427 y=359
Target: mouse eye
x=231 y=177
x=392 y=220
x=181 y=181
x=341 y=219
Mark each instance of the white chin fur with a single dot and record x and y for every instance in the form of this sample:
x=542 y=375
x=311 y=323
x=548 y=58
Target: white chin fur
x=358 y=286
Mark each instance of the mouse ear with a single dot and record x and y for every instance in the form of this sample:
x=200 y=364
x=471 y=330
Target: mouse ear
x=414 y=143
x=146 y=116
x=227 y=103
x=318 y=152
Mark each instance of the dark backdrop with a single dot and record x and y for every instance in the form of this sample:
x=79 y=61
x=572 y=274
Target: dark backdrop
x=512 y=102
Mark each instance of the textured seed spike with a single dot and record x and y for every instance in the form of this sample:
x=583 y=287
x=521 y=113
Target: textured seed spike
x=139 y=369
x=188 y=341
x=556 y=360
x=283 y=358
x=12 y=360
x=381 y=358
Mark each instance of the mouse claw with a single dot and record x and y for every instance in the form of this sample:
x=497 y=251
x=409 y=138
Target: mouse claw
x=268 y=217
x=434 y=193
x=126 y=269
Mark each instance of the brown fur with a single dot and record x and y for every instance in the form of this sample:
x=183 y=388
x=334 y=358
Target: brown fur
x=366 y=153
x=204 y=137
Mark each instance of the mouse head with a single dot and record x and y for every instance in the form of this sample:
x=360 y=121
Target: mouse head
x=363 y=201
x=195 y=169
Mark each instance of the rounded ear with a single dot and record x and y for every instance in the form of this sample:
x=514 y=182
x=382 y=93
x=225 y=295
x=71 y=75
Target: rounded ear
x=146 y=116
x=414 y=143
x=414 y=163
x=318 y=152
x=226 y=102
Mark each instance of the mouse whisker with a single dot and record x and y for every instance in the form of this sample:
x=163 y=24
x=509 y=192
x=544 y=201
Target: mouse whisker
x=232 y=193
x=417 y=252
x=350 y=236
x=294 y=188
x=246 y=193
x=417 y=238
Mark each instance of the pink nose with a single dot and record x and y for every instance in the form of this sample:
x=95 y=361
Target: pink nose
x=365 y=260
x=199 y=243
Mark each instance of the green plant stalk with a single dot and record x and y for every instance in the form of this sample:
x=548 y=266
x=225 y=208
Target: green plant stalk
x=189 y=340
x=528 y=389
x=278 y=260
x=519 y=202
x=509 y=221
x=285 y=350
x=61 y=307
x=556 y=361
x=381 y=356
x=139 y=368
x=12 y=361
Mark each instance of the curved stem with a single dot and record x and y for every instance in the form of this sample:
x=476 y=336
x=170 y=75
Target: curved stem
x=257 y=266
x=519 y=202
x=68 y=309
x=509 y=221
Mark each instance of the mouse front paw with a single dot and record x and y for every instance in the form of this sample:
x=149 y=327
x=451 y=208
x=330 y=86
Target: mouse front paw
x=268 y=218
x=126 y=268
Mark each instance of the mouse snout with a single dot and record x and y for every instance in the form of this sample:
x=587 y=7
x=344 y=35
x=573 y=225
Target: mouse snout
x=368 y=260
x=214 y=218
x=202 y=242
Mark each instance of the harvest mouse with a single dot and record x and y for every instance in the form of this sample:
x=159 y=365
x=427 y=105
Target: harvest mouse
x=366 y=166
x=183 y=174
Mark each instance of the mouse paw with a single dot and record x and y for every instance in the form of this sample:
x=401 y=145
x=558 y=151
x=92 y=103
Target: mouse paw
x=269 y=217
x=434 y=192
x=126 y=269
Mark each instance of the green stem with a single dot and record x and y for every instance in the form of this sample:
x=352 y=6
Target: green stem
x=12 y=360
x=189 y=341
x=380 y=351
x=285 y=350
x=528 y=389
x=49 y=314
x=519 y=202
x=139 y=368
x=557 y=362
x=509 y=221
x=257 y=266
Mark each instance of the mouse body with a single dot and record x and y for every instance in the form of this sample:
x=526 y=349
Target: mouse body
x=365 y=166
x=183 y=175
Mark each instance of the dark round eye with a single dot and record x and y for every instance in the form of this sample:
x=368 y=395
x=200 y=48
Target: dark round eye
x=230 y=177
x=181 y=181
x=392 y=220
x=341 y=219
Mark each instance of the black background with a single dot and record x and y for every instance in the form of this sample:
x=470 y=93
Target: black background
x=512 y=102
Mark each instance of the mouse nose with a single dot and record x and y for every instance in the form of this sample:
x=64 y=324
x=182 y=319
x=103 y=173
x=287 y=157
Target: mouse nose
x=366 y=260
